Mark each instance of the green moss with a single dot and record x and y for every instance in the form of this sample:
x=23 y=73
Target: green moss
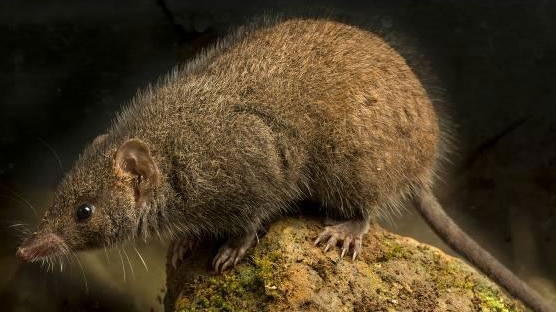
x=491 y=300
x=266 y=262
x=450 y=274
x=402 y=277
x=234 y=291
x=395 y=252
x=250 y=286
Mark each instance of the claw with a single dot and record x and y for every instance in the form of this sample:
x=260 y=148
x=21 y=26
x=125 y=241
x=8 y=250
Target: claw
x=216 y=261
x=317 y=241
x=345 y=247
x=331 y=243
x=239 y=255
x=232 y=252
x=226 y=264
x=350 y=233
x=356 y=248
x=223 y=255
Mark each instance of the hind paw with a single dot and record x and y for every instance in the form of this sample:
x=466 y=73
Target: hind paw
x=349 y=234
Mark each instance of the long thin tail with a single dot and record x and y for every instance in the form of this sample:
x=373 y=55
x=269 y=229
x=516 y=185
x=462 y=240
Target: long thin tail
x=456 y=238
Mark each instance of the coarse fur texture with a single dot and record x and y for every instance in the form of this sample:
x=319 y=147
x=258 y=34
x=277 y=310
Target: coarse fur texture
x=294 y=110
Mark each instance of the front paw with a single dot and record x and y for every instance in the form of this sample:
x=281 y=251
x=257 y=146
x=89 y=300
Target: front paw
x=232 y=252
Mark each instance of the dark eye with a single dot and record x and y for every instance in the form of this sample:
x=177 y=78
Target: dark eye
x=84 y=212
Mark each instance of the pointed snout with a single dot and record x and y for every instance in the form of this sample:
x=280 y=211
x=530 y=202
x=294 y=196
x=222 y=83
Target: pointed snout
x=40 y=246
x=23 y=254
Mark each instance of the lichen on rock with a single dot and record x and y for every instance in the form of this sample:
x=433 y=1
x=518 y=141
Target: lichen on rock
x=284 y=272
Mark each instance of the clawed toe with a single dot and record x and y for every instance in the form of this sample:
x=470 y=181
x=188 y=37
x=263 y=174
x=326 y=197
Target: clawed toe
x=350 y=234
x=231 y=253
x=346 y=246
x=227 y=257
x=332 y=241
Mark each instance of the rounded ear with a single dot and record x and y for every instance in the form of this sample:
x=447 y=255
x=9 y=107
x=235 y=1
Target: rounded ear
x=134 y=158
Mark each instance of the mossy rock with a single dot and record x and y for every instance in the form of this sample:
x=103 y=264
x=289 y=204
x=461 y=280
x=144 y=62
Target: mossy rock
x=284 y=272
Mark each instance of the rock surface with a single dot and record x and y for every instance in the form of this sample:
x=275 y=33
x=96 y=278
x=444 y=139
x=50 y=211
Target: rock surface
x=284 y=272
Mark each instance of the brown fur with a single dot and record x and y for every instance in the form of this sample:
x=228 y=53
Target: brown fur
x=302 y=109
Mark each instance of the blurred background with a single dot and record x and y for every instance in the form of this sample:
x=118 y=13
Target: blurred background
x=67 y=67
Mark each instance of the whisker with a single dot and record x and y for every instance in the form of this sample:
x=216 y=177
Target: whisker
x=65 y=258
x=106 y=255
x=20 y=202
x=21 y=230
x=71 y=263
x=53 y=153
x=122 y=259
x=130 y=266
x=15 y=200
x=21 y=198
x=17 y=225
x=82 y=271
x=142 y=260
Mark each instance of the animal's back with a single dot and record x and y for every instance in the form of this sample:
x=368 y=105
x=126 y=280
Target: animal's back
x=351 y=125
x=343 y=101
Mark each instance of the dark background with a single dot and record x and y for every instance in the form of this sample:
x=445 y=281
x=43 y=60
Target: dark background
x=67 y=67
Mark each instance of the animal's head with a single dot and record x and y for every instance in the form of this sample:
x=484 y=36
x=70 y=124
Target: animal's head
x=99 y=203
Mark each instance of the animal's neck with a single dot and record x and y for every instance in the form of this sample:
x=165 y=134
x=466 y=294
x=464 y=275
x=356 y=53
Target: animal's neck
x=160 y=216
